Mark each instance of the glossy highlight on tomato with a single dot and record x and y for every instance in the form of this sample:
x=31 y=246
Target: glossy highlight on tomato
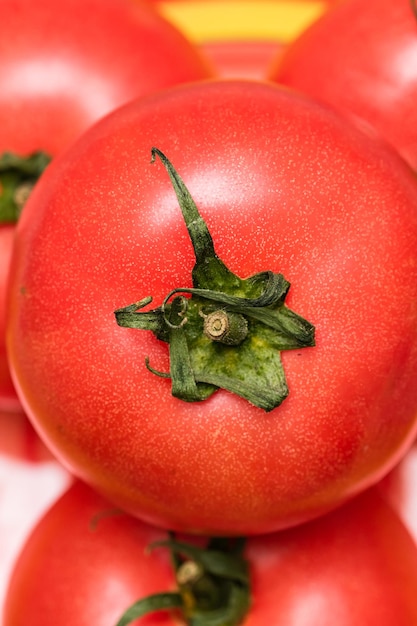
x=301 y=192
x=242 y=59
x=60 y=70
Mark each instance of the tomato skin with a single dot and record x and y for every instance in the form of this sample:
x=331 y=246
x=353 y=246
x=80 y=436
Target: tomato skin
x=242 y=59
x=62 y=70
x=96 y=564
x=360 y=57
x=325 y=206
x=84 y=561
x=330 y=571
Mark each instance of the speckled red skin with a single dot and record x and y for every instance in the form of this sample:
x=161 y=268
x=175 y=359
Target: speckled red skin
x=361 y=58
x=284 y=185
x=61 y=70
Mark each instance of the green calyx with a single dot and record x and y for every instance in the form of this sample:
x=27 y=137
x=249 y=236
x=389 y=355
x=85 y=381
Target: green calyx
x=17 y=178
x=224 y=332
x=213 y=587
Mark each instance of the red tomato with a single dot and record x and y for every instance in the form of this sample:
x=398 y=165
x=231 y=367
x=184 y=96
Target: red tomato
x=103 y=550
x=361 y=57
x=399 y=488
x=62 y=69
x=242 y=59
x=30 y=481
x=300 y=192
x=88 y=564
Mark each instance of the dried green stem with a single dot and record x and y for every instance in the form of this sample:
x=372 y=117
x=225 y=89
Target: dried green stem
x=238 y=348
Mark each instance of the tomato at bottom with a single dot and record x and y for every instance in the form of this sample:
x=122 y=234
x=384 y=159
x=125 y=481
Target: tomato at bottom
x=30 y=481
x=86 y=563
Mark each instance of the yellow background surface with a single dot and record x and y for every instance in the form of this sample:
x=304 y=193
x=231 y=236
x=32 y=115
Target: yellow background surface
x=216 y=20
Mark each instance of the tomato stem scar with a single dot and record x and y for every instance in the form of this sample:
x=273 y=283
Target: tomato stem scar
x=228 y=332
x=213 y=584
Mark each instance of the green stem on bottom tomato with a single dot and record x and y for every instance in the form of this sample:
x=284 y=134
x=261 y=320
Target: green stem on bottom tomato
x=213 y=586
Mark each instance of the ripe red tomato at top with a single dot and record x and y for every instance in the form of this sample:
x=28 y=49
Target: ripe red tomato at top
x=88 y=564
x=285 y=185
x=361 y=57
x=63 y=67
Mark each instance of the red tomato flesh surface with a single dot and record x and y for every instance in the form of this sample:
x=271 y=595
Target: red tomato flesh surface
x=63 y=68
x=361 y=57
x=300 y=192
x=88 y=563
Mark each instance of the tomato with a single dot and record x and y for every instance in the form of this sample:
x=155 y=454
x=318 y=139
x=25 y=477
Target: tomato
x=361 y=58
x=241 y=40
x=300 y=192
x=60 y=70
x=30 y=481
x=102 y=550
x=242 y=59
x=88 y=564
